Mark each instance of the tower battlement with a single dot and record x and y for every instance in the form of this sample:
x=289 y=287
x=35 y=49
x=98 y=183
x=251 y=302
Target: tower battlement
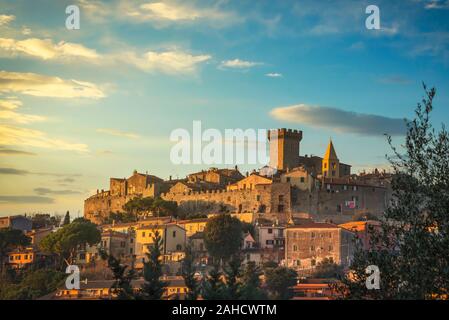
x=284 y=148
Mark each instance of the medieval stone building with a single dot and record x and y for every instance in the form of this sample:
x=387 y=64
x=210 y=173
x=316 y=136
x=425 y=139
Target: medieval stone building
x=320 y=188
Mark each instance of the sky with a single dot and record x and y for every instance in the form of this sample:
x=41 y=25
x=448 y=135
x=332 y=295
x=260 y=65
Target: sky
x=80 y=106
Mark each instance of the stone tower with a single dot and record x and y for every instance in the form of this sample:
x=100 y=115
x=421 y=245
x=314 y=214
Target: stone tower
x=284 y=148
x=331 y=164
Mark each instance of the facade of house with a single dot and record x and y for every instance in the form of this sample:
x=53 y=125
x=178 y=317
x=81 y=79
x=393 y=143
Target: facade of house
x=308 y=244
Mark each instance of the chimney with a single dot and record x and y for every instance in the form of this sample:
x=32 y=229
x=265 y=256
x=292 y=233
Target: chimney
x=169 y=178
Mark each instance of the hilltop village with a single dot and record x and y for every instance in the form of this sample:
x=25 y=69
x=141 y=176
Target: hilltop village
x=306 y=212
x=319 y=188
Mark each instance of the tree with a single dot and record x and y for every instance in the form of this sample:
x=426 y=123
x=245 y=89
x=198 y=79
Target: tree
x=66 y=218
x=188 y=273
x=411 y=247
x=31 y=284
x=232 y=272
x=327 y=268
x=213 y=287
x=9 y=239
x=138 y=205
x=223 y=236
x=122 y=285
x=154 y=287
x=162 y=208
x=279 y=282
x=69 y=238
x=251 y=283
x=44 y=220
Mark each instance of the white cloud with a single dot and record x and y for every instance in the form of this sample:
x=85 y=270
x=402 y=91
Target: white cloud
x=118 y=133
x=46 y=86
x=274 y=75
x=6 y=19
x=19 y=117
x=170 y=62
x=45 y=49
x=167 y=12
x=437 y=4
x=10 y=104
x=238 y=64
x=11 y=135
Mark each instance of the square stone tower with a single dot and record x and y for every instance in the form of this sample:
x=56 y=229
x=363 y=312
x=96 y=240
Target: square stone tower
x=284 y=148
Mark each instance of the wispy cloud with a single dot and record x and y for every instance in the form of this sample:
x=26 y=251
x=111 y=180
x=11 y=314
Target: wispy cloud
x=118 y=133
x=238 y=64
x=165 y=13
x=26 y=199
x=6 y=19
x=10 y=104
x=13 y=152
x=21 y=172
x=169 y=62
x=16 y=136
x=340 y=120
x=394 y=79
x=437 y=4
x=45 y=49
x=274 y=75
x=45 y=86
x=19 y=117
x=46 y=191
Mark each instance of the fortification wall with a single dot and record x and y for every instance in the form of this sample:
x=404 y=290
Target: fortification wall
x=262 y=198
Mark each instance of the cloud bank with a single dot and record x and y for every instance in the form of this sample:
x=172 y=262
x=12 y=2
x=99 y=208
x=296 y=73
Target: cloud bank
x=340 y=120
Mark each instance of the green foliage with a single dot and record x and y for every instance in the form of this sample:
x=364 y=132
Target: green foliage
x=120 y=217
x=279 y=281
x=66 y=218
x=364 y=216
x=249 y=228
x=327 y=268
x=66 y=240
x=188 y=273
x=213 y=287
x=232 y=273
x=122 y=286
x=411 y=248
x=43 y=220
x=250 y=289
x=158 y=206
x=10 y=239
x=223 y=236
x=31 y=284
x=153 y=288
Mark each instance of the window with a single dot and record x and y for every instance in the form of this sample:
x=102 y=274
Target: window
x=269 y=242
x=130 y=250
x=302 y=179
x=295 y=248
x=333 y=173
x=143 y=234
x=345 y=187
x=281 y=197
x=312 y=248
x=174 y=234
x=325 y=165
x=313 y=235
x=270 y=231
x=131 y=240
x=258 y=197
x=178 y=247
x=288 y=179
x=338 y=207
x=330 y=248
x=122 y=244
x=313 y=262
x=26 y=257
x=280 y=208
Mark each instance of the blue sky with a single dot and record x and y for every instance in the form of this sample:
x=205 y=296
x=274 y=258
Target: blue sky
x=80 y=106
